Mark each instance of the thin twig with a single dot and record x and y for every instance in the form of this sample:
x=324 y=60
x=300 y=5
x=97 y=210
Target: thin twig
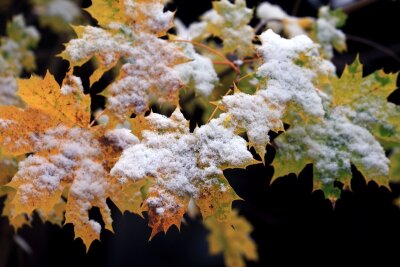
x=97 y=117
x=260 y=26
x=296 y=7
x=216 y=62
x=357 y=5
x=245 y=76
x=263 y=23
x=216 y=108
x=375 y=45
x=216 y=52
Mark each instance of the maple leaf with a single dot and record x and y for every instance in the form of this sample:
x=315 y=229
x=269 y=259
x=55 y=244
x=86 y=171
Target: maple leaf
x=255 y=115
x=322 y=30
x=290 y=80
x=279 y=21
x=67 y=155
x=326 y=32
x=130 y=36
x=395 y=165
x=15 y=49
x=56 y=14
x=15 y=55
x=331 y=145
x=183 y=165
x=232 y=239
x=8 y=167
x=67 y=103
x=356 y=113
x=199 y=71
x=364 y=100
x=146 y=16
x=229 y=22
x=293 y=73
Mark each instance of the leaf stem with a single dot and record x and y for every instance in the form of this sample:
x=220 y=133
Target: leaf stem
x=212 y=50
x=216 y=108
x=97 y=117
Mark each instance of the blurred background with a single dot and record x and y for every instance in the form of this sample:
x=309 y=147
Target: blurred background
x=293 y=226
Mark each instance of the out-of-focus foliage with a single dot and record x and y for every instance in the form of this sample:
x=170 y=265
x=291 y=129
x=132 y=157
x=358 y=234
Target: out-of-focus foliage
x=59 y=158
x=57 y=14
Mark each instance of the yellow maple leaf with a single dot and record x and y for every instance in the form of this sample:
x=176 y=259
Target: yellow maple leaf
x=15 y=132
x=145 y=16
x=229 y=21
x=183 y=165
x=8 y=167
x=68 y=155
x=105 y=11
x=164 y=210
x=69 y=102
x=232 y=238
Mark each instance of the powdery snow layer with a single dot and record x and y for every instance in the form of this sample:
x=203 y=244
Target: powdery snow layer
x=180 y=161
x=149 y=16
x=255 y=115
x=148 y=71
x=199 y=70
x=288 y=82
x=8 y=91
x=327 y=33
x=333 y=145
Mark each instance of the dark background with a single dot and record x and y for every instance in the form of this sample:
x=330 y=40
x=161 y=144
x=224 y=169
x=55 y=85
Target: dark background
x=293 y=226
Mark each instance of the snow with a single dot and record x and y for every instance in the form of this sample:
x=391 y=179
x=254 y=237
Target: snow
x=95 y=226
x=286 y=81
x=194 y=31
x=333 y=145
x=96 y=41
x=254 y=114
x=62 y=156
x=199 y=69
x=278 y=19
x=267 y=11
x=121 y=138
x=72 y=85
x=148 y=70
x=66 y=10
x=4 y=123
x=149 y=16
x=327 y=33
x=219 y=146
x=148 y=74
x=181 y=161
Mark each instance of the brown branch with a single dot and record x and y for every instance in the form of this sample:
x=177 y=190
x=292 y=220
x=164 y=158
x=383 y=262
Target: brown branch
x=296 y=7
x=357 y=5
x=375 y=45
